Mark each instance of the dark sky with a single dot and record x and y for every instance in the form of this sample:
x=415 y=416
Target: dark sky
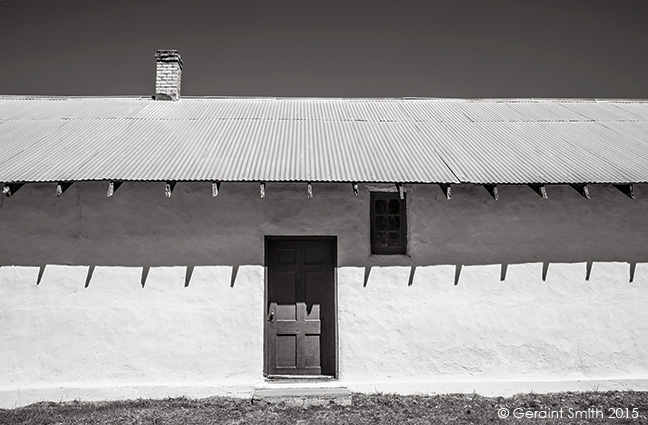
x=454 y=48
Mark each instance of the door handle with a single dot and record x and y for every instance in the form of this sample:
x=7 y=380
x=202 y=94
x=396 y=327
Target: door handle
x=271 y=317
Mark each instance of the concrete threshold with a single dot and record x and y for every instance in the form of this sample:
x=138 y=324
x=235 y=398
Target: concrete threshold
x=302 y=393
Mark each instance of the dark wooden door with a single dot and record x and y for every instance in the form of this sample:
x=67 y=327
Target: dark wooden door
x=300 y=308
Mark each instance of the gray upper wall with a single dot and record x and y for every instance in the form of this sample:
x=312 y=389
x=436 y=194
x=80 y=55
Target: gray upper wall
x=139 y=226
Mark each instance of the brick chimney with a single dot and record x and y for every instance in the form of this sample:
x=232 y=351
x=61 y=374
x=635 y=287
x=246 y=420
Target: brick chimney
x=168 y=75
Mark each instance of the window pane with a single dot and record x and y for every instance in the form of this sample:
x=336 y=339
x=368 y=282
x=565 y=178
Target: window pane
x=394 y=206
x=394 y=239
x=381 y=239
x=381 y=222
x=394 y=222
x=381 y=206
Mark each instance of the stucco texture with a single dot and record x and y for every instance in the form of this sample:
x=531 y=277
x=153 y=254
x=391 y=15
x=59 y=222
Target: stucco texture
x=141 y=291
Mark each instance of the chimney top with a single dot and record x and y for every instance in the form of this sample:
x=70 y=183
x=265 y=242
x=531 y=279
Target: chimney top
x=168 y=75
x=168 y=56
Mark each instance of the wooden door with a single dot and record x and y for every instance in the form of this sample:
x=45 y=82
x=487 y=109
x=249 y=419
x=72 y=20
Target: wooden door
x=300 y=307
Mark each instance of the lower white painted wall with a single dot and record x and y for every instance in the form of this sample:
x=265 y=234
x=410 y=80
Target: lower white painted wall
x=494 y=336
x=115 y=339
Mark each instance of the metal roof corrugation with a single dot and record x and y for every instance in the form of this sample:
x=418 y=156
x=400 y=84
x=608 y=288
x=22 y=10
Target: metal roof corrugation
x=619 y=152
x=59 y=155
x=397 y=149
x=320 y=151
x=18 y=137
x=484 y=112
x=601 y=111
x=533 y=112
x=564 y=140
x=379 y=140
x=560 y=162
x=74 y=108
x=14 y=109
x=479 y=155
x=636 y=130
x=511 y=157
x=379 y=111
x=433 y=111
x=638 y=110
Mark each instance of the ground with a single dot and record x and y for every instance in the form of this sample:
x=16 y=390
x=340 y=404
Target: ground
x=577 y=408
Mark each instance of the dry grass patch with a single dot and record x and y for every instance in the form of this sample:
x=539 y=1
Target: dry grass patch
x=366 y=409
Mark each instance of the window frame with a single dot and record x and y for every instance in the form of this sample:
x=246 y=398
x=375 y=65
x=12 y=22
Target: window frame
x=379 y=250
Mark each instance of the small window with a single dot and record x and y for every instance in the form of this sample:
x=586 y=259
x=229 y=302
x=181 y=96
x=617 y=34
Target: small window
x=388 y=224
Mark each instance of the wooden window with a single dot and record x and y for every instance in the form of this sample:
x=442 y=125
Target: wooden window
x=388 y=223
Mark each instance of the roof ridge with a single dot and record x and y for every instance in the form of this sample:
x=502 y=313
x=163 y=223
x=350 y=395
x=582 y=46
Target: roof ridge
x=335 y=99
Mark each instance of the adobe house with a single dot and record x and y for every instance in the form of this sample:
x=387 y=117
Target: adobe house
x=166 y=245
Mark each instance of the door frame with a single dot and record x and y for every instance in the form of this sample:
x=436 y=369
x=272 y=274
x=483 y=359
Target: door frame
x=266 y=242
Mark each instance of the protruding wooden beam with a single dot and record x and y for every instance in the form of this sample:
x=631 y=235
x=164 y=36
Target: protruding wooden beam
x=112 y=187
x=447 y=190
x=168 y=188
x=356 y=190
x=215 y=188
x=582 y=189
x=401 y=191
x=309 y=190
x=262 y=189
x=493 y=190
x=627 y=189
x=540 y=189
x=11 y=188
x=543 y=192
x=62 y=187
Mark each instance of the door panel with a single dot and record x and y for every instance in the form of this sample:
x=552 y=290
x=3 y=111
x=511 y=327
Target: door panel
x=300 y=325
x=286 y=351
x=312 y=351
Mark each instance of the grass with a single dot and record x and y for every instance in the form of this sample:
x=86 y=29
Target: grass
x=366 y=409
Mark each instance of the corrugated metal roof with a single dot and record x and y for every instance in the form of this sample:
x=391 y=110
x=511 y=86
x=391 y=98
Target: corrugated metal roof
x=290 y=139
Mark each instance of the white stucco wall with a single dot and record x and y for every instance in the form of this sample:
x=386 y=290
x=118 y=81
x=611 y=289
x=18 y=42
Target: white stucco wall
x=497 y=301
